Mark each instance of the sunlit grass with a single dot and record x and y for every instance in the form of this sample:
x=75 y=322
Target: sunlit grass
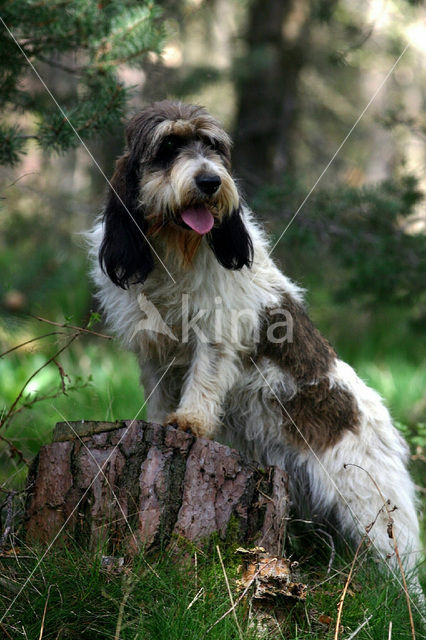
x=400 y=383
x=107 y=388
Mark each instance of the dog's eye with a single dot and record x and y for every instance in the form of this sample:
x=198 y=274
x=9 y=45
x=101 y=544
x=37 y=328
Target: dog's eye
x=215 y=145
x=169 y=148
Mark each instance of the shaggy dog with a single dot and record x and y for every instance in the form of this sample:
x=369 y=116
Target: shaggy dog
x=225 y=345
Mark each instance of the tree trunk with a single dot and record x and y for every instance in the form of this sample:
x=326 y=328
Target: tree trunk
x=267 y=84
x=140 y=484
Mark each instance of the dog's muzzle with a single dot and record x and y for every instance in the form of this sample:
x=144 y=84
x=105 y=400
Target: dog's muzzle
x=198 y=217
x=208 y=184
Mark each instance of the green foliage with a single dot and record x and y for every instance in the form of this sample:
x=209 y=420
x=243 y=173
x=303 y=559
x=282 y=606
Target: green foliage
x=43 y=265
x=98 y=36
x=12 y=144
x=366 y=232
x=417 y=437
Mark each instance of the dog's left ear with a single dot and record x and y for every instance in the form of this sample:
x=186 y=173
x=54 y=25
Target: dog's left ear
x=125 y=255
x=231 y=242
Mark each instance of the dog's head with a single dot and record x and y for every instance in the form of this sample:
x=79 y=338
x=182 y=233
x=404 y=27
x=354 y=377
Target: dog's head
x=173 y=180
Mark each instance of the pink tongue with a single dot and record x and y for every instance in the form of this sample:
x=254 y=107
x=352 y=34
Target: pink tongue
x=198 y=218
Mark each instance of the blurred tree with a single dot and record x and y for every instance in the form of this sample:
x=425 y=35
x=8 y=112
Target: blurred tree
x=267 y=82
x=299 y=63
x=87 y=39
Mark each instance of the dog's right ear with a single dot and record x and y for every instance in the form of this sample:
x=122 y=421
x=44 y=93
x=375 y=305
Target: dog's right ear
x=124 y=254
x=231 y=242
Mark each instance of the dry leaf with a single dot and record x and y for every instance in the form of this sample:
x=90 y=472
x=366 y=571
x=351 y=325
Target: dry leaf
x=270 y=577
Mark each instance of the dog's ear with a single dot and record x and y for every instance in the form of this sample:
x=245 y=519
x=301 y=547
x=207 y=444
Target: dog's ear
x=231 y=242
x=124 y=254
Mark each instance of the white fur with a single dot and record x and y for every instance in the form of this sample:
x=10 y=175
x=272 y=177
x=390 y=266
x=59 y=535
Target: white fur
x=217 y=383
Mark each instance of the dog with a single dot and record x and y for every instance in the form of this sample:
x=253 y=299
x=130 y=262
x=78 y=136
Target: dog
x=225 y=345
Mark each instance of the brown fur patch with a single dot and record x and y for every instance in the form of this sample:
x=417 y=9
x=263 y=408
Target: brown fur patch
x=179 y=241
x=308 y=357
x=319 y=416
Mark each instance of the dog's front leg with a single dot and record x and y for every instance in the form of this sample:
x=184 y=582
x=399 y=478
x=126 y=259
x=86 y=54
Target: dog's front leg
x=212 y=373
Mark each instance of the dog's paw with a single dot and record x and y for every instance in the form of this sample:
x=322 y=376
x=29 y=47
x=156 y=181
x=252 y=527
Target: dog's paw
x=191 y=423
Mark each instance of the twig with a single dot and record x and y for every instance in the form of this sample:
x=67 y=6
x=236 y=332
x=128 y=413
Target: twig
x=59 y=65
x=63 y=375
x=29 y=136
x=4 y=420
x=5 y=631
x=14 y=491
x=332 y=547
x=28 y=173
x=14 y=450
x=36 y=399
x=337 y=572
x=44 y=613
x=126 y=594
x=358 y=629
x=125 y=59
x=390 y=631
x=13 y=411
x=391 y=535
x=342 y=597
x=229 y=593
x=64 y=325
x=267 y=497
x=345 y=588
x=195 y=598
x=23 y=344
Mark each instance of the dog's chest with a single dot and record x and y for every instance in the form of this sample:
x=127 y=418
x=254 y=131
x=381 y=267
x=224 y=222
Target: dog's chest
x=197 y=310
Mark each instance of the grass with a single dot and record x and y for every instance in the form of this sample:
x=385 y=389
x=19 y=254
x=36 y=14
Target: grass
x=170 y=597
x=401 y=383
x=153 y=595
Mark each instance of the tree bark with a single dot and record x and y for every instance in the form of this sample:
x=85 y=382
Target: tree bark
x=142 y=484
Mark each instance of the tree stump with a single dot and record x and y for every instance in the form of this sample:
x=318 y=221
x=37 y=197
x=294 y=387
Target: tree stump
x=141 y=484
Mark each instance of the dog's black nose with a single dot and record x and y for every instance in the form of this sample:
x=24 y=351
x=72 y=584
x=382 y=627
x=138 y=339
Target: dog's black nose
x=208 y=184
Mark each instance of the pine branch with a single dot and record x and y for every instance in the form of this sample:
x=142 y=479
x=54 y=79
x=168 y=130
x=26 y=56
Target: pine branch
x=60 y=65
x=108 y=35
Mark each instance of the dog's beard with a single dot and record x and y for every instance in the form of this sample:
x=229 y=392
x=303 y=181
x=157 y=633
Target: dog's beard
x=180 y=244
x=172 y=197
